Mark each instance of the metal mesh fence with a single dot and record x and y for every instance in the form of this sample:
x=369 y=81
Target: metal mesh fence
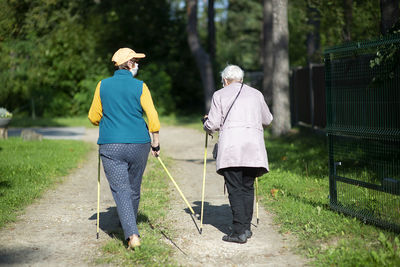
x=363 y=128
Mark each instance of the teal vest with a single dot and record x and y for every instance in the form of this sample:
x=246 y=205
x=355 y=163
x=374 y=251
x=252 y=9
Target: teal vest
x=122 y=120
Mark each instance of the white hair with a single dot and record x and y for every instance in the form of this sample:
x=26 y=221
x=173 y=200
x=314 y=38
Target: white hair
x=232 y=73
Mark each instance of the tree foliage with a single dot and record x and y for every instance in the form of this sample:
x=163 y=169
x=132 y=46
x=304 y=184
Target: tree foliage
x=53 y=52
x=365 y=25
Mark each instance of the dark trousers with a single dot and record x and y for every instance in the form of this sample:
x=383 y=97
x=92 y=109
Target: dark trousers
x=240 y=184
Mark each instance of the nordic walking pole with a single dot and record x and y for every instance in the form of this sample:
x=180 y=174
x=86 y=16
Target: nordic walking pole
x=256 y=192
x=177 y=187
x=204 y=184
x=98 y=198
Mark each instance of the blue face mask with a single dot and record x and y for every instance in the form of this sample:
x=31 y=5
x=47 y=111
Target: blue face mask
x=134 y=70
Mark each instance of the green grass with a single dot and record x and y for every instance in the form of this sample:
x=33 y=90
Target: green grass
x=51 y=122
x=28 y=168
x=154 y=251
x=299 y=171
x=190 y=121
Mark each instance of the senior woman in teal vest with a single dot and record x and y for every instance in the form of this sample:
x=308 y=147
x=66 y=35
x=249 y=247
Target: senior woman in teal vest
x=124 y=141
x=239 y=113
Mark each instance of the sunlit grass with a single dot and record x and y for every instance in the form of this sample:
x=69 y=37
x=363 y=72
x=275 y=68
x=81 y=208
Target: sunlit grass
x=28 y=168
x=297 y=190
x=190 y=121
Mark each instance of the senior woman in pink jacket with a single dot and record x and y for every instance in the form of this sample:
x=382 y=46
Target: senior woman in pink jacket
x=239 y=113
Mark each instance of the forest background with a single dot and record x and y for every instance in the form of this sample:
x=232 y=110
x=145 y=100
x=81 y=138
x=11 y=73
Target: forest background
x=53 y=52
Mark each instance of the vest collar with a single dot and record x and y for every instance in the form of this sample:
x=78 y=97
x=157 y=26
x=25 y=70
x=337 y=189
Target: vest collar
x=122 y=72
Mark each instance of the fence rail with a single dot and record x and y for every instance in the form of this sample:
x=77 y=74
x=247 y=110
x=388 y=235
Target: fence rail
x=363 y=129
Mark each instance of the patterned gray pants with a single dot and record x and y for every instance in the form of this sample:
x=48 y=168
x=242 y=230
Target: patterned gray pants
x=124 y=165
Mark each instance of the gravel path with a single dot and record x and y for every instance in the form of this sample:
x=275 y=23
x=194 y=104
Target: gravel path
x=59 y=229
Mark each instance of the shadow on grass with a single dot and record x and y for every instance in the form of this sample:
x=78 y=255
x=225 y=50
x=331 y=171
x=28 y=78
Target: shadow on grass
x=302 y=152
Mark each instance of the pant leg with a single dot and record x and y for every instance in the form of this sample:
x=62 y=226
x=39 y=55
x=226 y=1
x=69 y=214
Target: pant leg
x=116 y=170
x=248 y=196
x=234 y=184
x=137 y=160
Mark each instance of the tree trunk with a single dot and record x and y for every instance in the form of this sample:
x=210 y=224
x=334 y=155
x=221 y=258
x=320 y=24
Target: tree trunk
x=211 y=29
x=313 y=38
x=389 y=14
x=348 y=19
x=202 y=59
x=280 y=77
x=267 y=51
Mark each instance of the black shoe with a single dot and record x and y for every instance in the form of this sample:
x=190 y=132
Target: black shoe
x=248 y=233
x=236 y=239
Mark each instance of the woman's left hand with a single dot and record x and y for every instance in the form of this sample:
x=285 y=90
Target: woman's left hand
x=204 y=119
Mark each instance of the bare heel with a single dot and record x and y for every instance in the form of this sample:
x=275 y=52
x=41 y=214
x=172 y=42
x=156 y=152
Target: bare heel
x=134 y=242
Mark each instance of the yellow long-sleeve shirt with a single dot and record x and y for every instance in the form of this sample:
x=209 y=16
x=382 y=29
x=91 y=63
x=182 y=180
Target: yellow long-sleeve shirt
x=96 y=109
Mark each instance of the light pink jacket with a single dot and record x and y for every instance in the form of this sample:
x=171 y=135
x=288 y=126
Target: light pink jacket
x=241 y=138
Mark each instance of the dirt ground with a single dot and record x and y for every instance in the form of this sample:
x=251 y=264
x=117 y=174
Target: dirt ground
x=59 y=229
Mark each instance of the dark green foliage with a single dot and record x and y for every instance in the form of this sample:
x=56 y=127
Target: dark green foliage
x=240 y=41
x=365 y=24
x=54 y=52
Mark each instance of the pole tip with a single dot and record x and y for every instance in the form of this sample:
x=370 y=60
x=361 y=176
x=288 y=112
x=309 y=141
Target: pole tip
x=97 y=236
x=258 y=220
x=201 y=230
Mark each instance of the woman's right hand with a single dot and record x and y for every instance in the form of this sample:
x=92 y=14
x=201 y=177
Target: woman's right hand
x=155 y=144
x=155 y=150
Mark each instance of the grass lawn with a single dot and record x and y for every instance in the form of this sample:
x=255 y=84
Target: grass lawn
x=191 y=121
x=153 y=230
x=51 y=122
x=297 y=189
x=28 y=168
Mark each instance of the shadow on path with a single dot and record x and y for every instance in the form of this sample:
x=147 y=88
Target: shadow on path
x=21 y=255
x=218 y=216
x=109 y=222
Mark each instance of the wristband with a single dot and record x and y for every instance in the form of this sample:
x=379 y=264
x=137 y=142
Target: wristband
x=155 y=148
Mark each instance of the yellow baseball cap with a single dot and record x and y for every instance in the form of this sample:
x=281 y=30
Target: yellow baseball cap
x=124 y=54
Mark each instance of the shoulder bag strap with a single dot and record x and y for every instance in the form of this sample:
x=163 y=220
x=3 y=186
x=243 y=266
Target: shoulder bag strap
x=226 y=116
